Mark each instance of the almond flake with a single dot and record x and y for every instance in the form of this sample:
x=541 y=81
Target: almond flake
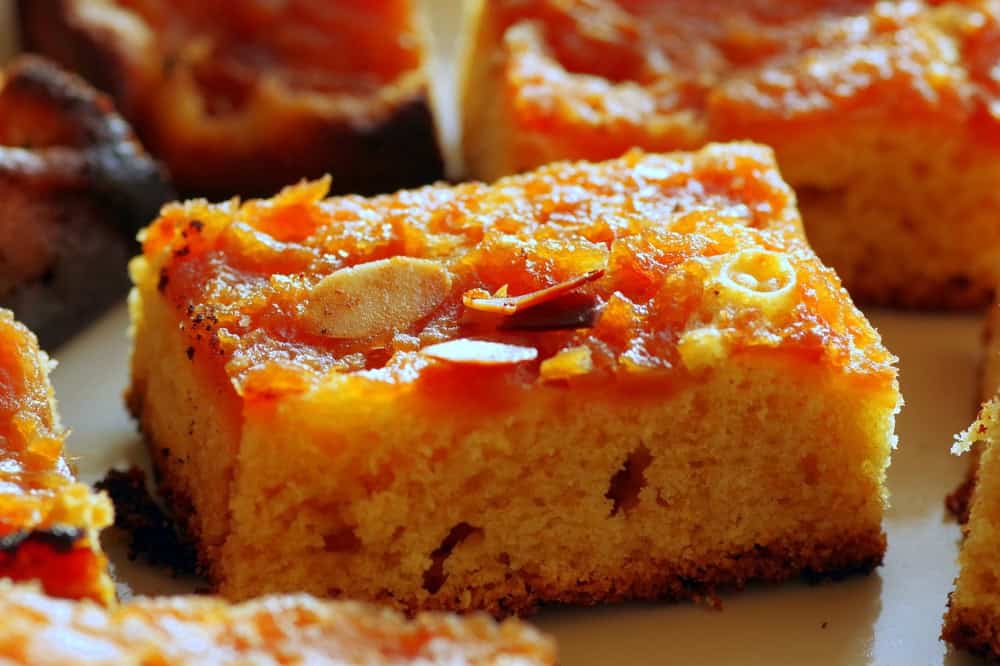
x=480 y=299
x=480 y=352
x=378 y=297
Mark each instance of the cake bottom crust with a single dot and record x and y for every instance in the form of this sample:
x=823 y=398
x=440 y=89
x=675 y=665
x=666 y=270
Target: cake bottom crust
x=973 y=630
x=645 y=580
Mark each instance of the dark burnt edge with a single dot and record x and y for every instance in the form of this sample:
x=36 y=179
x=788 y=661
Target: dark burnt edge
x=152 y=534
x=115 y=163
x=959 y=501
x=61 y=538
x=398 y=149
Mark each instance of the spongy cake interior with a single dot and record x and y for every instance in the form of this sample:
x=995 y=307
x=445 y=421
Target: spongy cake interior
x=973 y=617
x=765 y=468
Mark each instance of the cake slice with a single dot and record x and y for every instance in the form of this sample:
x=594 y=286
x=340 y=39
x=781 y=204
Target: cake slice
x=242 y=97
x=959 y=502
x=972 y=622
x=883 y=115
x=589 y=383
x=49 y=522
x=75 y=188
x=41 y=631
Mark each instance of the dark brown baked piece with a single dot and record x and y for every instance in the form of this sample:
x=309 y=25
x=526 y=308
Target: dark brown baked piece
x=246 y=99
x=75 y=187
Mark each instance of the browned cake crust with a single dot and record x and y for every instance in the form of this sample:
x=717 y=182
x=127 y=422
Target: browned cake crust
x=373 y=142
x=972 y=630
x=75 y=187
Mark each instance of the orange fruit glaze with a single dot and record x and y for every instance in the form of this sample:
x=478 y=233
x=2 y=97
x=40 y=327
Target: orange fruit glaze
x=32 y=470
x=663 y=229
x=600 y=76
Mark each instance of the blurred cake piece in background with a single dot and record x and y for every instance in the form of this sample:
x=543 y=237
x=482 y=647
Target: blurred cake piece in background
x=75 y=187
x=243 y=97
x=885 y=116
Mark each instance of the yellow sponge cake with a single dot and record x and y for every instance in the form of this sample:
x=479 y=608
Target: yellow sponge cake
x=589 y=383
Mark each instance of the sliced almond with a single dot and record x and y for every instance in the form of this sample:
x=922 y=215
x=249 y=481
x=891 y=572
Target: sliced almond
x=480 y=352
x=480 y=299
x=378 y=297
x=570 y=362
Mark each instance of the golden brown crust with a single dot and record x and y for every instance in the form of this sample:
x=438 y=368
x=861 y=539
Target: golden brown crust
x=75 y=187
x=973 y=630
x=377 y=141
x=178 y=502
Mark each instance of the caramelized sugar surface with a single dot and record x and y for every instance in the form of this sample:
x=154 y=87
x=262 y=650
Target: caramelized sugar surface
x=702 y=257
x=32 y=471
x=604 y=75
x=352 y=47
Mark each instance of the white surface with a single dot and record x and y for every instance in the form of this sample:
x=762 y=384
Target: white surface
x=890 y=617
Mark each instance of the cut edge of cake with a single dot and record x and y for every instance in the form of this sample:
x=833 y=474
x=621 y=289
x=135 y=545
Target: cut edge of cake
x=53 y=520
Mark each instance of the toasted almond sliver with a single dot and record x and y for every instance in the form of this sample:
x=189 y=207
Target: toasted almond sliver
x=378 y=297
x=479 y=299
x=480 y=352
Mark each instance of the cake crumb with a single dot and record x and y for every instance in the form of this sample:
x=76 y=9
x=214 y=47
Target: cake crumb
x=153 y=537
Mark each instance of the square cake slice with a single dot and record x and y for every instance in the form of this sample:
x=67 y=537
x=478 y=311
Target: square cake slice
x=884 y=116
x=49 y=522
x=243 y=96
x=972 y=622
x=40 y=631
x=589 y=383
